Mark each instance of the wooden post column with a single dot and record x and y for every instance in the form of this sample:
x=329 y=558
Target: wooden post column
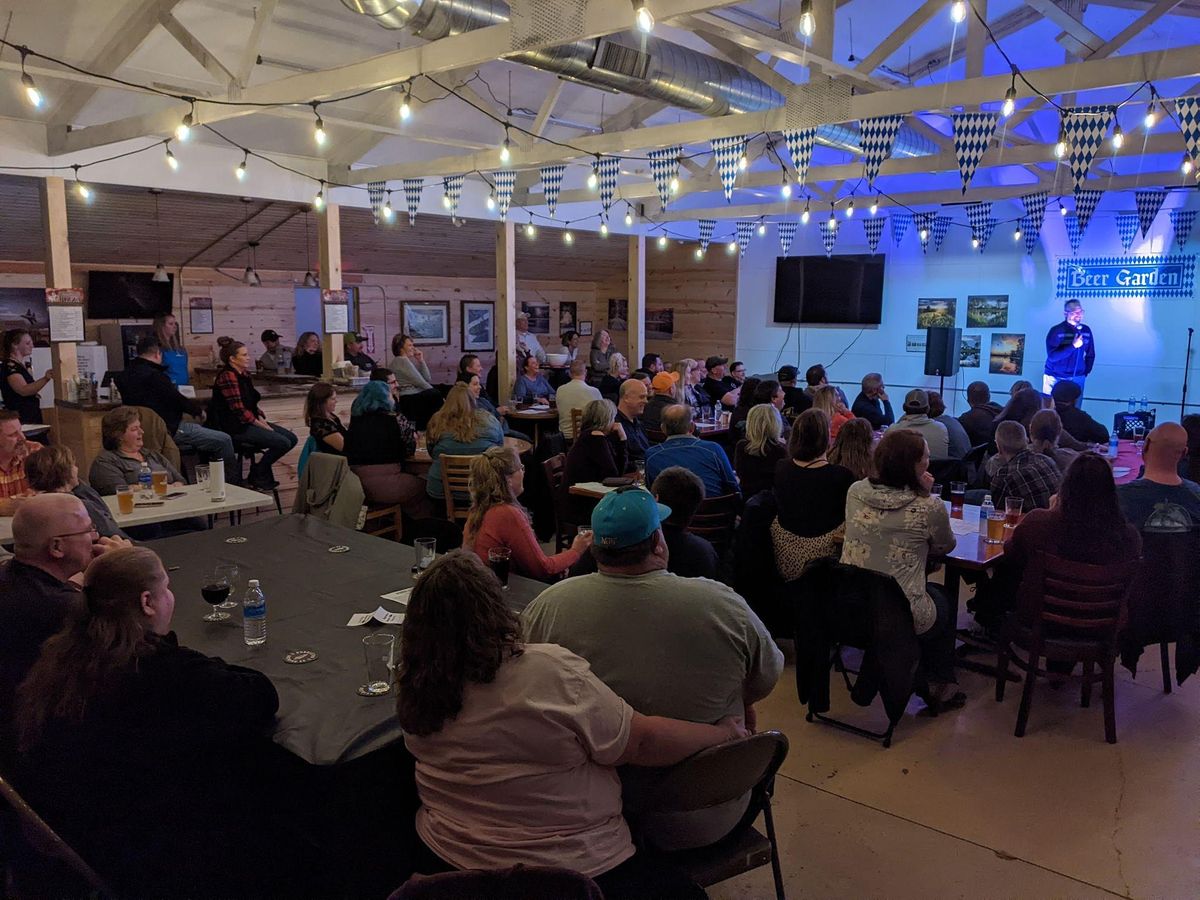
x=58 y=274
x=329 y=246
x=636 y=315
x=506 y=310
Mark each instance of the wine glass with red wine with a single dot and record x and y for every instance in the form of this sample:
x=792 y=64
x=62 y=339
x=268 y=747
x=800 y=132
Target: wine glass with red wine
x=215 y=591
x=230 y=571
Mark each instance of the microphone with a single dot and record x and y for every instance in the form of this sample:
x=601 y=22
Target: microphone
x=1191 y=331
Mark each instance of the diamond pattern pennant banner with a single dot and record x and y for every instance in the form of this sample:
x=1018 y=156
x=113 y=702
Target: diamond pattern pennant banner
x=745 y=231
x=1148 y=205
x=1188 y=111
x=706 y=233
x=873 y=226
x=375 y=191
x=1030 y=231
x=985 y=232
x=452 y=189
x=506 y=180
x=829 y=233
x=728 y=151
x=1074 y=232
x=900 y=223
x=1086 y=201
x=607 y=168
x=924 y=224
x=877 y=137
x=1035 y=209
x=552 y=179
x=787 y=233
x=1127 y=224
x=941 y=225
x=977 y=214
x=664 y=166
x=972 y=133
x=1182 y=221
x=1084 y=128
x=800 y=146
x=412 y=197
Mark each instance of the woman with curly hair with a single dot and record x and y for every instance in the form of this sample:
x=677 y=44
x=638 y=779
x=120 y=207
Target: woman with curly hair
x=458 y=429
x=516 y=743
x=852 y=448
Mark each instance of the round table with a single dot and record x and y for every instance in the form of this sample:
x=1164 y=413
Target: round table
x=418 y=464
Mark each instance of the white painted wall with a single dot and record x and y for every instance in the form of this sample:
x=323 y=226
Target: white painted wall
x=1140 y=344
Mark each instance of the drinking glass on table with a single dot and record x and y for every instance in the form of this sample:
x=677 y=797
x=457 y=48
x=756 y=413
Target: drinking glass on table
x=583 y=531
x=159 y=481
x=1012 y=511
x=424 y=550
x=202 y=478
x=500 y=561
x=215 y=591
x=995 y=529
x=377 y=648
x=639 y=468
x=958 y=497
x=936 y=490
x=125 y=499
x=230 y=572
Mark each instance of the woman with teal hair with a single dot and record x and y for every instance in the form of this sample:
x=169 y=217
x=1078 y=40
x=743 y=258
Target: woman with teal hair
x=377 y=443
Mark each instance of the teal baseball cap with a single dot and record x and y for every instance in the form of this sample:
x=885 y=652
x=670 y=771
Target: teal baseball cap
x=625 y=517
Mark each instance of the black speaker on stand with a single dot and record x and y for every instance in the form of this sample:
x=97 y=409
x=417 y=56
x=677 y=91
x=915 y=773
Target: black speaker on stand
x=942 y=353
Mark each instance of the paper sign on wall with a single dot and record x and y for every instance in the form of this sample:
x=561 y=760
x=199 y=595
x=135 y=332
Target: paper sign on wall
x=65 y=306
x=200 y=315
x=915 y=343
x=336 y=308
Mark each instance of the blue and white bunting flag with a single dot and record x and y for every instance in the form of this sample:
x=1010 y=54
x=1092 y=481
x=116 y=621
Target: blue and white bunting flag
x=452 y=190
x=1127 y=225
x=829 y=233
x=506 y=180
x=376 y=191
x=745 y=231
x=1084 y=128
x=1035 y=209
x=1086 y=201
x=607 y=168
x=985 y=232
x=800 y=146
x=1182 y=221
x=412 y=197
x=1030 y=232
x=977 y=214
x=941 y=224
x=728 y=152
x=706 y=233
x=972 y=134
x=1188 y=111
x=924 y=225
x=664 y=166
x=873 y=227
x=1074 y=232
x=877 y=137
x=787 y=233
x=1148 y=205
x=900 y=222
x=552 y=179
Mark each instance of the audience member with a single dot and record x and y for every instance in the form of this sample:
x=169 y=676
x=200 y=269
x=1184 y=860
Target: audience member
x=1022 y=472
x=653 y=363
x=527 y=342
x=825 y=398
x=893 y=525
x=354 y=344
x=979 y=421
x=543 y=731
x=958 y=443
x=234 y=409
x=795 y=399
x=276 y=356
x=18 y=388
x=175 y=357
x=309 y=358
x=737 y=371
x=145 y=383
x=1075 y=421
x=853 y=447
x=916 y=418
x=575 y=394
x=688 y=555
x=691 y=375
x=631 y=404
x=377 y=443
x=1020 y=407
x=1161 y=499
x=599 y=357
x=872 y=403
x=53 y=471
x=682 y=448
x=121 y=729
x=810 y=497
x=758 y=453
x=14 y=453
x=458 y=429
x=496 y=519
x=737 y=418
x=1018 y=386
x=320 y=415
x=120 y=462
x=618 y=371
x=1045 y=428
x=1189 y=466
x=470 y=366
x=599 y=452
x=718 y=384
x=644 y=377
x=667 y=392
x=816 y=377
x=419 y=399
x=716 y=658
x=570 y=345
x=531 y=385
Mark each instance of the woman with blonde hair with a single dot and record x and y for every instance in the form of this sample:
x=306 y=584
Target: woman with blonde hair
x=852 y=448
x=691 y=373
x=308 y=358
x=618 y=371
x=758 y=453
x=825 y=398
x=174 y=357
x=496 y=518
x=600 y=451
x=600 y=357
x=458 y=429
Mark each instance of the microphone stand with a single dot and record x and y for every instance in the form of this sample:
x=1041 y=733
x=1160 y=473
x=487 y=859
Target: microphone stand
x=1187 y=365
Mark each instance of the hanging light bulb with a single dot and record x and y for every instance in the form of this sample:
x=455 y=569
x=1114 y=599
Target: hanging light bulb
x=319 y=200
x=850 y=209
x=406 y=105
x=446 y=200
x=171 y=160
x=628 y=218
x=1118 y=137
x=310 y=280
x=874 y=205
x=84 y=192
x=785 y=189
x=808 y=22
x=184 y=129
x=1062 y=208
x=1017 y=233
x=804 y=216
x=1060 y=147
x=643 y=19
x=568 y=238
x=387 y=211
x=603 y=229
x=505 y=147
x=491 y=200
x=762 y=229
x=673 y=185
x=731 y=247
x=1186 y=166
x=32 y=94
x=699 y=253
x=530 y=229
x=743 y=162
x=593 y=179
x=1010 y=96
x=958 y=11
x=1151 y=113
x=662 y=242
x=832 y=219
x=924 y=234
x=240 y=171
x=975 y=242
x=318 y=127
x=160 y=275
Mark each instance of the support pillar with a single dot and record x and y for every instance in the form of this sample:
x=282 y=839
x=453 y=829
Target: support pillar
x=63 y=359
x=329 y=245
x=506 y=310
x=635 y=315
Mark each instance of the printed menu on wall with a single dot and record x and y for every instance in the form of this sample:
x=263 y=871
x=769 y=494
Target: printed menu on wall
x=200 y=315
x=336 y=307
x=65 y=308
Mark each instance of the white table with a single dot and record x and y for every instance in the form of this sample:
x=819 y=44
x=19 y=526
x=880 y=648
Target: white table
x=196 y=502
x=31 y=430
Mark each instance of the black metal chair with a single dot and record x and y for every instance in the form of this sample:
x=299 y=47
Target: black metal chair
x=251 y=455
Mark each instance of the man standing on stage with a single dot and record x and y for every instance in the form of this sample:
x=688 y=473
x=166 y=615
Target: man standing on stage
x=1070 y=350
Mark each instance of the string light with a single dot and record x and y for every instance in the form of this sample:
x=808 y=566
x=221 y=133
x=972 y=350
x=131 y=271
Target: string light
x=808 y=22
x=662 y=242
x=673 y=186
x=387 y=211
x=1060 y=148
x=628 y=218
x=1017 y=233
x=171 y=160
x=786 y=189
x=318 y=126
x=406 y=105
x=1010 y=96
x=924 y=234
x=850 y=209
x=832 y=219
x=184 y=129
x=84 y=192
x=762 y=229
x=1151 y=110
x=975 y=243
x=1062 y=208
x=874 y=205
x=240 y=171
x=699 y=253
x=446 y=200
x=643 y=19
x=568 y=238
x=505 y=148
x=491 y=200
x=530 y=229
x=593 y=180
x=319 y=200
x=731 y=247
x=1118 y=137
x=603 y=229
x=743 y=161
x=958 y=11
x=32 y=94
x=1186 y=167
x=804 y=216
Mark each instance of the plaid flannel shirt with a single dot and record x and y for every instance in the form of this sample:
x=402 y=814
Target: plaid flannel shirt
x=1028 y=475
x=227 y=384
x=13 y=481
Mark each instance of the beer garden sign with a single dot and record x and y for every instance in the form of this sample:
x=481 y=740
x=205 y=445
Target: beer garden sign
x=1153 y=277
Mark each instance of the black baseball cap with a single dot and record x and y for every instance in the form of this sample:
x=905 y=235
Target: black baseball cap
x=269 y=335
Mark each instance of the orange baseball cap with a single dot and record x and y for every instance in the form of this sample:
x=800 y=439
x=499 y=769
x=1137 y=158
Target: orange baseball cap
x=664 y=381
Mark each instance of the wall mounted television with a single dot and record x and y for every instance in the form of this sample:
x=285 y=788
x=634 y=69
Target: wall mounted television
x=835 y=290
x=128 y=295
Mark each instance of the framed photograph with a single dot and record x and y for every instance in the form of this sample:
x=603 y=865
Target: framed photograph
x=539 y=315
x=660 y=324
x=26 y=308
x=568 y=316
x=617 y=309
x=970 y=351
x=987 y=311
x=585 y=329
x=427 y=322
x=478 y=326
x=936 y=312
x=1008 y=354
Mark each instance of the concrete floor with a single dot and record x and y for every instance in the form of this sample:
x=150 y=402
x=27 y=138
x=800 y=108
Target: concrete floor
x=958 y=807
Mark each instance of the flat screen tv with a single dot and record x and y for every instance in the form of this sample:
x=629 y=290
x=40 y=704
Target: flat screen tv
x=835 y=290
x=127 y=295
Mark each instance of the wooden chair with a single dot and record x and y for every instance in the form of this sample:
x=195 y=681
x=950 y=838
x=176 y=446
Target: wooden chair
x=715 y=520
x=718 y=775
x=46 y=843
x=655 y=435
x=1069 y=612
x=974 y=461
x=564 y=532
x=456 y=478
x=576 y=418
x=383 y=520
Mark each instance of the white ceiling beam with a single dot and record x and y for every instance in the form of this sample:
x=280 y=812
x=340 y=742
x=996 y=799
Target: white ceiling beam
x=196 y=49
x=1090 y=75
x=902 y=33
x=976 y=39
x=740 y=56
x=1190 y=9
x=632 y=115
x=262 y=18
x=542 y=119
x=1067 y=22
x=1136 y=27
x=940 y=57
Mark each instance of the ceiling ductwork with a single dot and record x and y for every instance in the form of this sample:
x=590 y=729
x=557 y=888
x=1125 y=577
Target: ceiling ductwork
x=645 y=67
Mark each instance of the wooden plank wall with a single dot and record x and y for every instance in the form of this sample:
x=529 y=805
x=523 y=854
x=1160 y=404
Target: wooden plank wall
x=703 y=294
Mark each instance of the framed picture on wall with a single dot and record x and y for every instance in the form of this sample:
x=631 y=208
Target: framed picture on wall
x=936 y=312
x=1007 y=355
x=478 y=326
x=539 y=315
x=427 y=322
x=970 y=351
x=987 y=311
x=660 y=324
x=568 y=316
x=616 y=315
x=585 y=329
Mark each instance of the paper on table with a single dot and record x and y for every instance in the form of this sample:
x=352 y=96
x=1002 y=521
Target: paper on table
x=965 y=526
x=539 y=407
x=595 y=486
x=381 y=615
x=398 y=596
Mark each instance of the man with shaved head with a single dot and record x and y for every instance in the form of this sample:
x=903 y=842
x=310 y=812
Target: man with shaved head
x=1161 y=492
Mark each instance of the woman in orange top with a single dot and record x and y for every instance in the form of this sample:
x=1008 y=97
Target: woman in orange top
x=825 y=398
x=497 y=520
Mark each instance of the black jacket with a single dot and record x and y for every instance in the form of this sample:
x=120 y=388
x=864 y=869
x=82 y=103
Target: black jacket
x=866 y=408
x=979 y=422
x=146 y=383
x=1080 y=425
x=636 y=442
x=795 y=401
x=1062 y=359
x=754 y=574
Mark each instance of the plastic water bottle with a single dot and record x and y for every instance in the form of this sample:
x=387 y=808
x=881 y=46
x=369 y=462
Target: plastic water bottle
x=1132 y=404
x=1112 y=446
x=1145 y=403
x=146 y=482
x=254 y=615
x=985 y=510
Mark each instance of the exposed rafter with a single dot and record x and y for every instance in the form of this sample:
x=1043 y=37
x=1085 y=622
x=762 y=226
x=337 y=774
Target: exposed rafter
x=902 y=33
x=197 y=50
x=262 y=18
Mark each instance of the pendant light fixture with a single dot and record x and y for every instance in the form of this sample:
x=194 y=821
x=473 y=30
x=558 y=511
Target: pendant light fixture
x=250 y=276
x=160 y=271
x=310 y=280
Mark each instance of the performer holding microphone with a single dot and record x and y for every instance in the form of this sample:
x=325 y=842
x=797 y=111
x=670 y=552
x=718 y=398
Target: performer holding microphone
x=1070 y=350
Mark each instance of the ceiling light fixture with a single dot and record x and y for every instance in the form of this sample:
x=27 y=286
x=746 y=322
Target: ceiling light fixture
x=310 y=280
x=593 y=179
x=249 y=276
x=958 y=11
x=160 y=271
x=804 y=216
x=505 y=146
x=568 y=237
x=318 y=126
x=786 y=188
x=84 y=192
x=406 y=103
x=1060 y=147
x=184 y=129
x=387 y=211
x=491 y=200
x=1017 y=233
x=172 y=162
x=1062 y=208
x=1151 y=110
x=1118 y=137
x=1010 y=96
x=240 y=171
x=319 y=200
x=807 y=24
x=731 y=247
x=643 y=19
x=628 y=216
x=1186 y=166
x=850 y=209
x=662 y=242
x=32 y=94
x=874 y=205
